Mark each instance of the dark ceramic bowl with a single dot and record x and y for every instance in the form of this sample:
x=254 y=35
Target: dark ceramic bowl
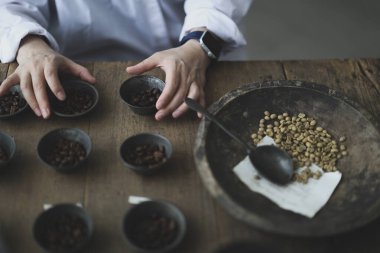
x=63 y=228
x=49 y=141
x=131 y=144
x=137 y=85
x=154 y=227
x=81 y=98
x=22 y=101
x=8 y=148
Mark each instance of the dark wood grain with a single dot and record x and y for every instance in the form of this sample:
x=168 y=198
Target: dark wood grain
x=104 y=183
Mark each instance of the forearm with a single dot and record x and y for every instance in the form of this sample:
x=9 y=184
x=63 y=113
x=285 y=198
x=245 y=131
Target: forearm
x=19 y=19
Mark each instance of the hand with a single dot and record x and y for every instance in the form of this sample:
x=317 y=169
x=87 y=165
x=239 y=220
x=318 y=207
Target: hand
x=38 y=67
x=185 y=69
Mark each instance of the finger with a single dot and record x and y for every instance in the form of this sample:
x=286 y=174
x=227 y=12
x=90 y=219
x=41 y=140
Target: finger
x=52 y=79
x=194 y=94
x=39 y=88
x=79 y=71
x=172 y=81
x=145 y=65
x=11 y=80
x=202 y=101
x=173 y=104
x=28 y=93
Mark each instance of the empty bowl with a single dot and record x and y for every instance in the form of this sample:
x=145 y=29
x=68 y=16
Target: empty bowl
x=154 y=226
x=63 y=228
x=7 y=148
x=64 y=149
x=12 y=103
x=146 y=153
x=81 y=98
x=140 y=93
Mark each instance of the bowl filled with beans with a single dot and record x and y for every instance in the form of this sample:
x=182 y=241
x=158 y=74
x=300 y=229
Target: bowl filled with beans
x=141 y=93
x=146 y=153
x=64 y=149
x=12 y=103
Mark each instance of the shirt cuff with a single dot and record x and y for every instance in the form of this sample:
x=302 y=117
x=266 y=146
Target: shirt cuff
x=11 y=38
x=218 y=23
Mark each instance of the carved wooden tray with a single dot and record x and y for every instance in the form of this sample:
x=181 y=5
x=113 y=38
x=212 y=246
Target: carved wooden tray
x=356 y=200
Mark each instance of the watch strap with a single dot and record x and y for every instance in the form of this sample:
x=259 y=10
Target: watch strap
x=196 y=35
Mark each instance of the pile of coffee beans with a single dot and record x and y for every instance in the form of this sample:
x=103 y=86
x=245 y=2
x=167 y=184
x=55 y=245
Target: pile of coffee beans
x=66 y=153
x=11 y=103
x=147 y=154
x=77 y=101
x=146 y=98
x=3 y=155
x=65 y=232
x=154 y=232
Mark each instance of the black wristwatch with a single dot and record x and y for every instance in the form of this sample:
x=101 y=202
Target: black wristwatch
x=209 y=42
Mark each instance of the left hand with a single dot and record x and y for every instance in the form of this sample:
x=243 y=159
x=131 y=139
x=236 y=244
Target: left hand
x=185 y=69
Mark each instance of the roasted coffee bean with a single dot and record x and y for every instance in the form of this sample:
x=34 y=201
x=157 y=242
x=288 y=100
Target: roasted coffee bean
x=3 y=154
x=154 y=232
x=11 y=103
x=147 y=154
x=77 y=101
x=65 y=232
x=66 y=152
x=146 y=98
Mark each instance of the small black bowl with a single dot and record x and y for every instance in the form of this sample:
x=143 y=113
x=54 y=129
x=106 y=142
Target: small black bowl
x=81 y=98
x=22 y=105
x=7 y=149
x=48 y=143
x=63 y=228
x=154 y=227
x=135 y=86
x=128 y=152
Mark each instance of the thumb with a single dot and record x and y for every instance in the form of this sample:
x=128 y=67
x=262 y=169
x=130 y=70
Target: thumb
x=145 y=65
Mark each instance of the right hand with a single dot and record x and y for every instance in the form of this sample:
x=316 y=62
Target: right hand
x=38 y=67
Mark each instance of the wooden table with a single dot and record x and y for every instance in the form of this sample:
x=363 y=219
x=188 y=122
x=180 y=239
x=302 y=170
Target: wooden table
x=104 y=183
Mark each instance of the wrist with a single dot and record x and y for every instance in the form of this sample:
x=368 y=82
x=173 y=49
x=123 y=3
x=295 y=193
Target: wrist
x=208 y=41
x=197 y=51
x=30 y=45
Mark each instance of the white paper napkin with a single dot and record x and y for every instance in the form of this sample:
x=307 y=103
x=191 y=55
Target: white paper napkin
x=305 y=199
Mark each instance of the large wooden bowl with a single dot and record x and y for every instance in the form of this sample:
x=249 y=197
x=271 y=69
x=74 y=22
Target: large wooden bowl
x=355 y=202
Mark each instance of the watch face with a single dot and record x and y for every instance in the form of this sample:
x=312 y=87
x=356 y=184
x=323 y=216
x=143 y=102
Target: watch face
x=213 y=43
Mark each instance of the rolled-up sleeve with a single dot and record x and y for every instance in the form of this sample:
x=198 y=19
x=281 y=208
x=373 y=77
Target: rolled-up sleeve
x=18 y=19
x=218 y=16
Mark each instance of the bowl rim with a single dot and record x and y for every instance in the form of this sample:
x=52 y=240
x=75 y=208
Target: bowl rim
x=57 y=132
x=142 y=168
x=125 y=83
x=71 y=83
x=14 y=88
x=13 y=147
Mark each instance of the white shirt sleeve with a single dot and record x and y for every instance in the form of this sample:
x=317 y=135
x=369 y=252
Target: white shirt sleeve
x=218 y=16
x=18 y=19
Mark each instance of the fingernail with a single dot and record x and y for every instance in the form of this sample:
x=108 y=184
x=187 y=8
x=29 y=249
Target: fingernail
x=61 y=95
x=159 y=115
x=37 y=112
x=45 y=112
x=175 y=114
x=158 y=104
